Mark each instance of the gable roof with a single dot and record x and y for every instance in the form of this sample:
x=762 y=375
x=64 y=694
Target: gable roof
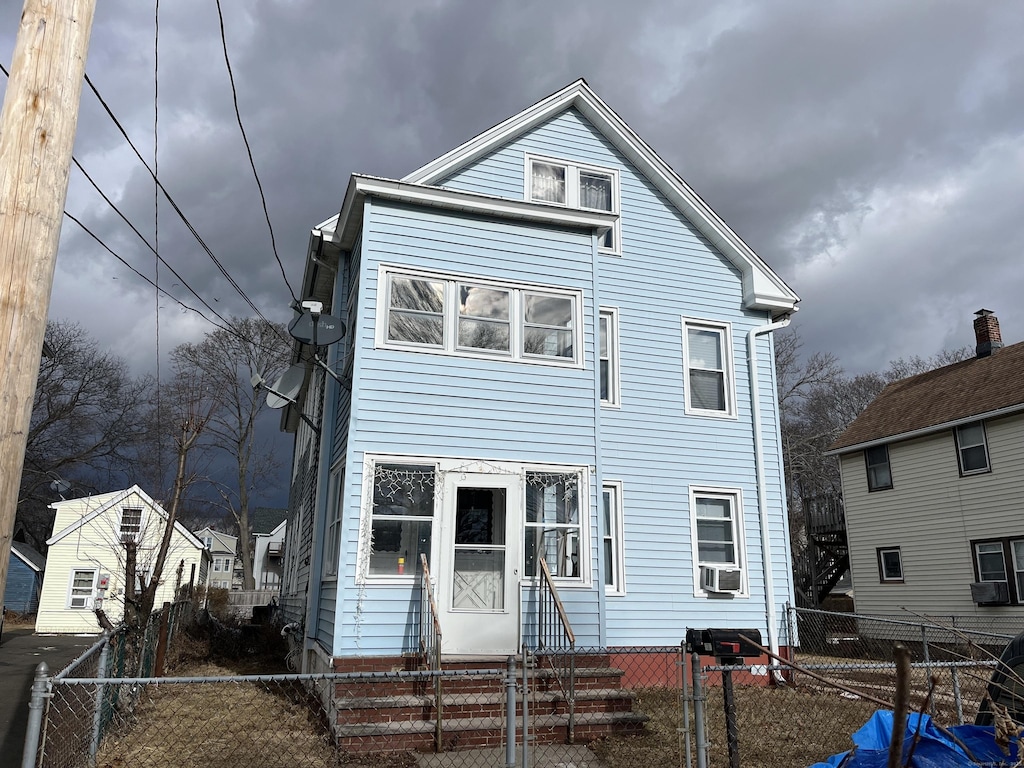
x=28 y=556
x=762 y=288
x=979 y=388
x=102 y=503
x=226 y=540
x=267 y=519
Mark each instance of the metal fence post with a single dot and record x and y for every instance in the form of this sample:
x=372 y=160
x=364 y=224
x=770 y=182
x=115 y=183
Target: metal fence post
x=527 y=662
x=731 y=736
x=927 y=663
x=698 y=713
x=684 y=731
x=510 y=714
x=97 y=715
x=957 y=697
x=36 y=705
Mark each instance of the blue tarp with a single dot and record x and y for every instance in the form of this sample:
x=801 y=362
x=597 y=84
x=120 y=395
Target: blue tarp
x=935 y=748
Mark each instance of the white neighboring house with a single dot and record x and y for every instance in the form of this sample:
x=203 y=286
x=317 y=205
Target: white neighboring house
x=85 y=567
x=223 y=549
x=268 y=557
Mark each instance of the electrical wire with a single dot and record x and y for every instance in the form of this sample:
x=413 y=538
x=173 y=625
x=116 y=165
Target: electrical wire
x=248 y=149
x=156 y=225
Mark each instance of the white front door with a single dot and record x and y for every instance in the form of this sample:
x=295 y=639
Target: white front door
x=478 y=578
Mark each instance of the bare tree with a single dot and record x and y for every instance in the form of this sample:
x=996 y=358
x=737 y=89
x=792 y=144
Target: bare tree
x=229 y=358
x=88 y=418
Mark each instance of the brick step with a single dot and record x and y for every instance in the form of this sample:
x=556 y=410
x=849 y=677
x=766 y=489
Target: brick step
x=417 y=707
x=543 y=679
x=474 y=732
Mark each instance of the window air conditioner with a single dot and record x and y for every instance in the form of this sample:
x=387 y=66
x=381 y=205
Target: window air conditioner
x=990 y=593
x=717 y=578
x=80 y=602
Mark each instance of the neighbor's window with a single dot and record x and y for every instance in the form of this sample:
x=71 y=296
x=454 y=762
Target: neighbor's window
x=613 y=559
x=131 y=524
x=709 y=389
x=576 y=186
x=1001 y=560
x=890 y=564
x=608 y=356
x=877 y=462
x=507 y=320
x=402 y=518
x=971 y=448
x=80 y=591
x=332 y=541
x=553 y=527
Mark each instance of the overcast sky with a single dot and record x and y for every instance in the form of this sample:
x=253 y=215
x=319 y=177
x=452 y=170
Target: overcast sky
x=871 y=152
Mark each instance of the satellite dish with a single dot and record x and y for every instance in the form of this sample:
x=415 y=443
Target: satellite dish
x=286 y=388
x=328 y=329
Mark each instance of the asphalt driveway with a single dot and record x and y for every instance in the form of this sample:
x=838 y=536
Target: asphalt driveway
x=20 y=654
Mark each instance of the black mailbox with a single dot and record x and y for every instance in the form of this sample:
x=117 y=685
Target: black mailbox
x=727 y=645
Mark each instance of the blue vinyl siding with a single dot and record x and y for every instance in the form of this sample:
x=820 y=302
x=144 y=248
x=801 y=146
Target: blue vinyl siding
x=667 y=271
x=22 y=591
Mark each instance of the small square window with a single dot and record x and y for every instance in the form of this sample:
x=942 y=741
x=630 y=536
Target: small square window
x=879 y=474
x=890 y=564
x=972 y=449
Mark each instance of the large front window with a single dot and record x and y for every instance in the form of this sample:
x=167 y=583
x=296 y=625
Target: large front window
x=402 y=519
x=479 y=318
x=553 y=526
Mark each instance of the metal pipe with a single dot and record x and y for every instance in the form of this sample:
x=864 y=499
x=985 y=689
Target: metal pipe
x=698 y=713
x=684 y=732
x=510 y=714
x=97 y=715
x=731 y=735
x=36 y=704
x=526 y=707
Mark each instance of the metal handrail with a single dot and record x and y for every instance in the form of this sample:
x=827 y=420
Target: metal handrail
x=430 y=643
x=562 y=643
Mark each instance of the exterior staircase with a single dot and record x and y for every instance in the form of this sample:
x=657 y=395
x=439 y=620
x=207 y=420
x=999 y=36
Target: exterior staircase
x=387 y=711
x=827 y=558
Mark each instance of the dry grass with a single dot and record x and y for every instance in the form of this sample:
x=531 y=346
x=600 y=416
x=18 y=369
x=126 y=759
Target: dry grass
x=15 y=620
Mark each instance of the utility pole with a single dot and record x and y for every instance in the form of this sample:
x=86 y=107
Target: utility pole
x=37 y=134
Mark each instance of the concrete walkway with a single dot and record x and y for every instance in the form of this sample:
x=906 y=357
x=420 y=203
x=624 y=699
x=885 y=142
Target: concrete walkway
x=541 y=756
x=20 y=654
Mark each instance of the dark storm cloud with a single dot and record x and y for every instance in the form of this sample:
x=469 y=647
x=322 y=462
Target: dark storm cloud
x=871 y=152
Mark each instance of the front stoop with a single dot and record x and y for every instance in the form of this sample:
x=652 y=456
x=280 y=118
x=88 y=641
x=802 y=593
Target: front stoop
x=394 y=715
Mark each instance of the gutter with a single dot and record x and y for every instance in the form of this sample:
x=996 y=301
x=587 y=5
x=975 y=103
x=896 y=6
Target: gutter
x=762 y=502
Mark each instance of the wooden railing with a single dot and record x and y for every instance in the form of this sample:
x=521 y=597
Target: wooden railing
x=556 y=641
x=430 y=643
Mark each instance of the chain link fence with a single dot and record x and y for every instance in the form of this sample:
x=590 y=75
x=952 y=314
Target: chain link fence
x=619 y=707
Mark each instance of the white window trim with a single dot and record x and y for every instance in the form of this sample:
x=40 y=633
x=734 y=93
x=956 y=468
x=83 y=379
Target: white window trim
x=960 y=449
x=451 y=317
x=142 y=521
x=90 y=601
x=615 y=383
x=725 y=328
x=881 y=566
x=617 y=535
x=363 y=575
x=736 y=496
x=332 y=531
x=572 y=191
x=586 y=576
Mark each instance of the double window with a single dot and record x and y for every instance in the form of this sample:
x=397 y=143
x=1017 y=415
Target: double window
x=608 y=356
x=972 y=449
x=613 y=560
x=480 y=318
x=890 y=564
x=707 y=354
x=1001 y=561
x=575 y=186
x=876 y=461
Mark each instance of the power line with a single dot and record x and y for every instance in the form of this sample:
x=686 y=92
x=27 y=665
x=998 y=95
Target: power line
x=248 y=149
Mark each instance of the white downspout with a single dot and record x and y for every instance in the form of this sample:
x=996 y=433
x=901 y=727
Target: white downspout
x=762 y=503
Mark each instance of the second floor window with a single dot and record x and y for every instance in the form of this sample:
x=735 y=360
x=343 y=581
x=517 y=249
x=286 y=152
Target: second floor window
x=479 y=318
x=707 y=353
x=608 y=356
x=879 y=474
x=576 y=186
x=971 y=448
x=131 y=524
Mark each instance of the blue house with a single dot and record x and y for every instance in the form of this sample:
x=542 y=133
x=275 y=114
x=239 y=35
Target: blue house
x=557 y=375
x=24 y=579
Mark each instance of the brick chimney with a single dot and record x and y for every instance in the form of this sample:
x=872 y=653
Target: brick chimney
x=986 y=331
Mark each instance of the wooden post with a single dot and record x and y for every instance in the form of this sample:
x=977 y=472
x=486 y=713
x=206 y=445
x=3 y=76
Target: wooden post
x=37 y=132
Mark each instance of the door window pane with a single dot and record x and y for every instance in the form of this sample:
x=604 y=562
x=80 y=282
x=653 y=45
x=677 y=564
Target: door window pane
x=478 y=571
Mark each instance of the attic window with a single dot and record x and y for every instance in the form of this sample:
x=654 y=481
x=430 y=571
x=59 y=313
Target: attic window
x=131 y=524
x=576 y=186
x=972 y=449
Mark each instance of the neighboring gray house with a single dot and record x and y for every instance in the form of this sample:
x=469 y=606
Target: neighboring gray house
x=24 y=579
x=223 y=549
x=933 y=485
x=269 y=526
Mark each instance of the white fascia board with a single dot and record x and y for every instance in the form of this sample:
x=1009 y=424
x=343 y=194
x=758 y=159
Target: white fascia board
x=361 y=187
x=1009 y=410
x=26 y=561
x=762 y=288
